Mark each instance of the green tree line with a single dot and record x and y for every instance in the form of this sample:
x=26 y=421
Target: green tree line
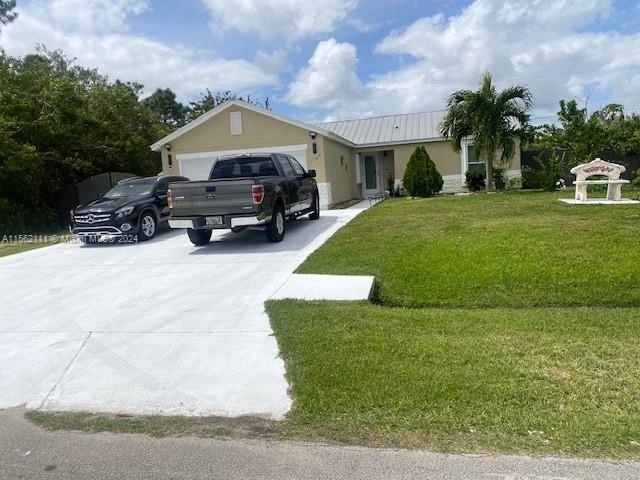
x=578 y=137
x=61 y=123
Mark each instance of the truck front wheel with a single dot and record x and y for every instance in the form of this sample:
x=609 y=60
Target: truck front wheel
x=199 y=237
x=315 y=208
x=275 y=228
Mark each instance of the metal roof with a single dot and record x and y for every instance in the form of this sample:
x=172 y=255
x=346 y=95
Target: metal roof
x=408 y=127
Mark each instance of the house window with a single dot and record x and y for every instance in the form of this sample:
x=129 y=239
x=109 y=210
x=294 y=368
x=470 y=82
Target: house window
x=474 y=162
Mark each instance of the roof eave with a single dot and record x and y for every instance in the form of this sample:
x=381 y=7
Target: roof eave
x=401 y=142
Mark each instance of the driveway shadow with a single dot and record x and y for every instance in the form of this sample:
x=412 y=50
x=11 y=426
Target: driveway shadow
x=299 y=234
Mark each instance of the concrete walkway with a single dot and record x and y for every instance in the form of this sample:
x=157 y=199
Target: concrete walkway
x=158 y=327
x=326 y=287
x=28 y=452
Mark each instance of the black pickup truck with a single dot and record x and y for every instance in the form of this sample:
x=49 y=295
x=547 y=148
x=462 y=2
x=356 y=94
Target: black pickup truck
x=245 y=191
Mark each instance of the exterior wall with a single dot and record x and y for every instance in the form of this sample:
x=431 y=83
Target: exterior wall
x=446 y=159
x=340 y=171
x=258 y=131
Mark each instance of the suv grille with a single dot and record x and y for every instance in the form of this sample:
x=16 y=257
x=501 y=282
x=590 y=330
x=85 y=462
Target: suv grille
x=91 y=218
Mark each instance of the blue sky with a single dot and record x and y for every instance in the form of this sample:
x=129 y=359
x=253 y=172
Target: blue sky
x=326 y=59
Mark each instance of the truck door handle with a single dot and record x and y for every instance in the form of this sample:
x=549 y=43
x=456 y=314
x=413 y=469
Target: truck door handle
x=211 y=195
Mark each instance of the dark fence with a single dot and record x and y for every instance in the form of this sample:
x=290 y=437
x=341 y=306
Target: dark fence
x=84 y=192
x=536 y=159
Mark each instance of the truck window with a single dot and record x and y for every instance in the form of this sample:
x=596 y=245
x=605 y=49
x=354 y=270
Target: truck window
x=240 y=167
x=286 y=166
x=296 y=167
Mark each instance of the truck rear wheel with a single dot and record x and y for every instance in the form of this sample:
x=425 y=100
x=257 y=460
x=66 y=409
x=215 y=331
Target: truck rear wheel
x=199 y=237
x=275 y=228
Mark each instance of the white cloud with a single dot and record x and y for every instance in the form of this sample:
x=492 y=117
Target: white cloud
x=92 y=15
x=329 y=80
x=288 y=19
x=544 y=44
x=134 y=58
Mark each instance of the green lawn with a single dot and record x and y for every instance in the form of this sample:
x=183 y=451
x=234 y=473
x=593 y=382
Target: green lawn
x=498 y=380
x=517 y=341
x=518 y=249
x=9 y=245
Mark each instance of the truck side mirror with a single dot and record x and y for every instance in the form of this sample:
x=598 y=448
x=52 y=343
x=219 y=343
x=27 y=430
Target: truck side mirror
x=311 y=173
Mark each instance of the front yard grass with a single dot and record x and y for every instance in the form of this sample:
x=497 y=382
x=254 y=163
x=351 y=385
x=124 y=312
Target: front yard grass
x=512 y=249
x=552 y=380
x=514 y=339
x=9 y=245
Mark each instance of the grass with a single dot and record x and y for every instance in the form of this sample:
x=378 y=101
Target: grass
x=11 y=246
x=515 y=340
x=552 y=380
x=518 y=249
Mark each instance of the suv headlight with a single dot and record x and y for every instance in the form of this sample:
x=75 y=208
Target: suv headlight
x=123 y=212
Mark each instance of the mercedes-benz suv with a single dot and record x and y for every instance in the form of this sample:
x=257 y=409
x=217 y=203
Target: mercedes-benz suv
x=135 y=208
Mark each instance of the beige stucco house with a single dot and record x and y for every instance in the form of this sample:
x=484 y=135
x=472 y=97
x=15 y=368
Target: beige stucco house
x=352 y=158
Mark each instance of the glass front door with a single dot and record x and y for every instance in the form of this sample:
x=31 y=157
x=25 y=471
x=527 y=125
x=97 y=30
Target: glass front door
x=370 y=174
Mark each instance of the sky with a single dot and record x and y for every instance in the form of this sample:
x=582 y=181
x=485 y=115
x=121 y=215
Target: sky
x=340 y=59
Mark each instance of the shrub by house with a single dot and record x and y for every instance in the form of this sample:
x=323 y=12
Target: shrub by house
x=421 y=177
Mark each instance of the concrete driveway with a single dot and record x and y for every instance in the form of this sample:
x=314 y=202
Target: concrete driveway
x=161 y=327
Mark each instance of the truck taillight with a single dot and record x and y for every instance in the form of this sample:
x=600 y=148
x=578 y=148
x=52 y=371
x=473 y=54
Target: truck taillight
x=169 y=198
x=257 y=191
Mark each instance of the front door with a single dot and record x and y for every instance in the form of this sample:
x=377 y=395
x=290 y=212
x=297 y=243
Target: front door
x=370 y=184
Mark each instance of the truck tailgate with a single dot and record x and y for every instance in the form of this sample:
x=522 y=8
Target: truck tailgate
x=212 y=197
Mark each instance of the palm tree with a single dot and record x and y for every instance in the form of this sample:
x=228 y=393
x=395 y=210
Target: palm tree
x=493 y=120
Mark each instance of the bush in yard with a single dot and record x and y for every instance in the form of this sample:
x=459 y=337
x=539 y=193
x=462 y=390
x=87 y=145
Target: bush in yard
x=636 y=180
x=475 y=180
x=421 y=178
x=547 y=173
x=498 y=178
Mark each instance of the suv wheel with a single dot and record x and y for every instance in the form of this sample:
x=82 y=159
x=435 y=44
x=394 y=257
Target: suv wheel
x=275 y=228
x=199 y=237
x=148 y=226
x=315 y=208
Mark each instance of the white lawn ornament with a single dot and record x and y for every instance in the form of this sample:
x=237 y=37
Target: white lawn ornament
x=599 y=167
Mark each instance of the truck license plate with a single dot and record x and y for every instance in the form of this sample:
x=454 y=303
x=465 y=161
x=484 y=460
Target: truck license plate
x=217 y=220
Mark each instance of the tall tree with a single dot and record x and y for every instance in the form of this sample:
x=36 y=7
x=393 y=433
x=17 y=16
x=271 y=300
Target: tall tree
x=7 y=11
x=578 y=137
x=163 y=103
x=493 y=120
x=209 y=101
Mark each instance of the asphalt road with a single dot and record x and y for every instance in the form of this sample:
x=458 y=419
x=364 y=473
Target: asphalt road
x=27 y=452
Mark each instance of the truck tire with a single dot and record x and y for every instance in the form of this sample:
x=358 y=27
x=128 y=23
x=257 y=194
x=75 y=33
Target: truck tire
x=275 y=228
x=199 y=237
x=315 y=212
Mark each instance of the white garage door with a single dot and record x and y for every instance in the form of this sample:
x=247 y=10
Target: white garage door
x=197 y=166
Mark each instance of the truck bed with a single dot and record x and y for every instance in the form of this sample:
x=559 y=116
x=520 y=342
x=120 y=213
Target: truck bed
x=214 y=197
